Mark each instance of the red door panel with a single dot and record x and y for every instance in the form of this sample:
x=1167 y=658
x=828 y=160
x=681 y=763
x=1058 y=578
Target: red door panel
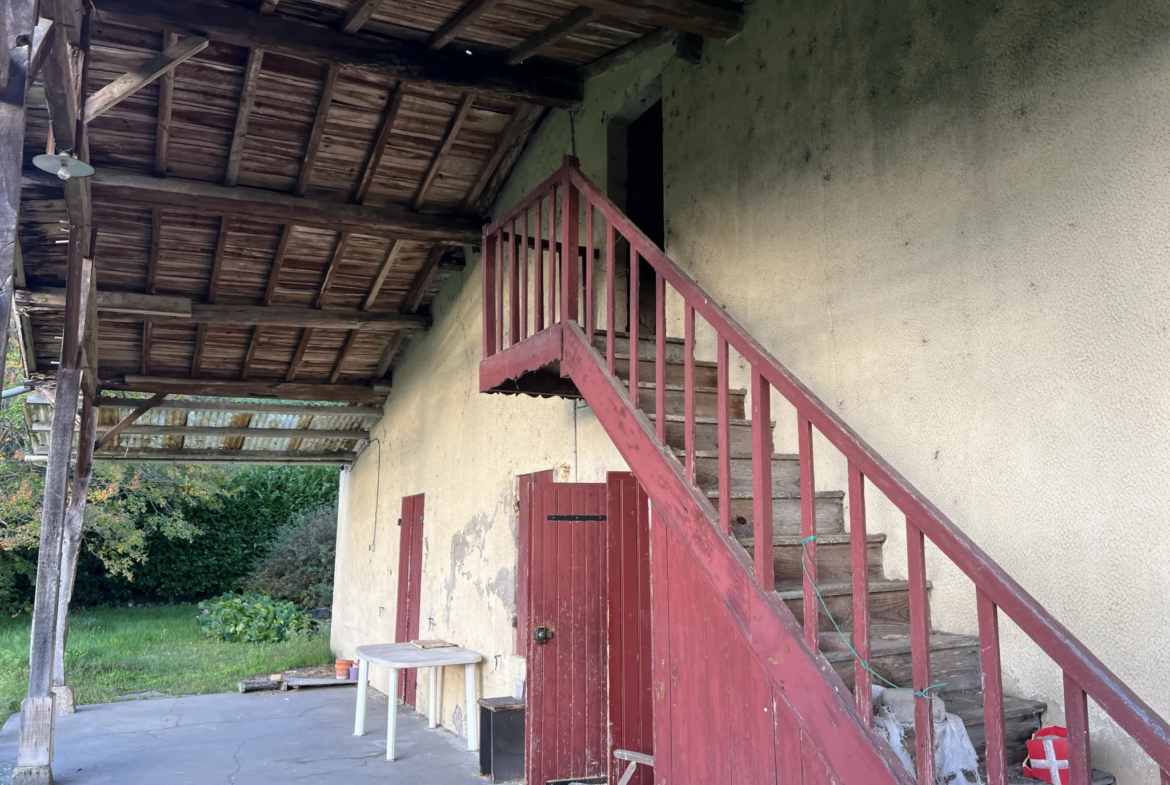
x=525 y=497
x=566 y=707
x=409 y=588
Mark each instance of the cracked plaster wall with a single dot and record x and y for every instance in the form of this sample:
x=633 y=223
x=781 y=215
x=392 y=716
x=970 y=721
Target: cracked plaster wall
x=955 y=222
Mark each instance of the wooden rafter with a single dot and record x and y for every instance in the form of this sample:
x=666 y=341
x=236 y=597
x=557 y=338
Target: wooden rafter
x=359 y=13
x=243 y=115
x=393 y=106
x=211 y=430
x=302 y=347
x=628 y=53
x=254 y=407
x=707 y=18
x=42 y=41
x=147 y=339
x=253 y=347
x=392 y=348
x=134 y=80
x=506 y=156
x=422 y=280
x=350 y=340
x=562 y=28
x=466 y=17
x=253 y=388
x=518 y=126
x=155 y=250
x=392 y=252
x=166 y=103
x=197 y=358
x=453 y=128
x=277 y=263
x=225 y=226
x=400 y=59
x=334 y=266
x=324 y=101
x=251 y=457
x=127 y=421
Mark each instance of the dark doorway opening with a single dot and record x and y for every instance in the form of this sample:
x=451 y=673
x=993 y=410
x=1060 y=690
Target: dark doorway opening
x=636 y=185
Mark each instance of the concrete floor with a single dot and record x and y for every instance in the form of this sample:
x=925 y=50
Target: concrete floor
x=254 y=739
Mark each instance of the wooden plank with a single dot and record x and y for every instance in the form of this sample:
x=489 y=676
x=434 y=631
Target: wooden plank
x=342 y=356
x=359 y=13
x=43 y=36
x=250 y=357
x=659 y=350
x=422 y=280
x=111 y=434
x=920 y=648
x=200 y=430
x=392 y=252
x=399 y=59
x=990 y=666
x=243 y=115
x=703 y=17
x=761 y=393
x=67 y=15
x=808 y=529
x=453 y=127
x=277 y=263
x=393 y=106
x=504 y=158
x=134 y=80
x=342 y=393
x=1076 y=719
x=166 y=102
x=331 y=272
x=53 y=298
x=225 y=226
x=251 y=457
x=723 y=438
x=200 y=343
x=298 y=358
x=252 y=407
x=393 y=346
x=467 y=16
x=215 y=199
x=628 y=53
x=147 y=339
x=318 y=133
x=562 y=28
x=858 y=543
x=155 y=246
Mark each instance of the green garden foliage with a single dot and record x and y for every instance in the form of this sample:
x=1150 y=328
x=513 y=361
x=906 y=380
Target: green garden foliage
x=299 y=565
x=251 y=618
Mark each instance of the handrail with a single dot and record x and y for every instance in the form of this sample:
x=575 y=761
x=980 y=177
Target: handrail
x=1084 y=673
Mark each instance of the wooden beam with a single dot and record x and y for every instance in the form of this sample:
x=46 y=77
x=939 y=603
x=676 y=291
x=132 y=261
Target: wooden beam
x=399 y=59
x=43 y=37
x=392 y=349
x=323 y=103
x=197 y=358
x=155 y=247
x=127 y=421
x=299 y=356
x=334 y=266
x=517 y=125
x=708 y=18
x=359 y=13
x=132 y=81
x=243 y=115
x=393 y=106
x=562 y=28
x=453 y=128
x=181 y=309
x=147 y=338
x=225 y=226
x=252 y=457
x=422 y=280
x=253 y=388
x=253 y=347
x=66 y=14
x=210 y=430
x=628 y=53
x=166 y=103
x=253 y=407
x=466 y=17
x=508 y=156
x=383 y=271
x=342 y=356
x=214 y=199
x=277 y=263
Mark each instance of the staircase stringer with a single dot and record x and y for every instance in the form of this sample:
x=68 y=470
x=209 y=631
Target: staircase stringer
x=815 y=693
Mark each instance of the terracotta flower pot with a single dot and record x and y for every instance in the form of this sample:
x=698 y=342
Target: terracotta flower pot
x=341 y=668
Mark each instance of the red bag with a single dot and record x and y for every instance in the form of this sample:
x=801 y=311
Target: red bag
x=1048 y=756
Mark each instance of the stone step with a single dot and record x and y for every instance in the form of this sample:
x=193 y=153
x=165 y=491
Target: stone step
x=834 y=557
x=785 y=512
x=706 y=400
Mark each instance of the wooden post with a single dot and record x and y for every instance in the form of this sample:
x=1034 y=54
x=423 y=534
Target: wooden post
x=71 y=549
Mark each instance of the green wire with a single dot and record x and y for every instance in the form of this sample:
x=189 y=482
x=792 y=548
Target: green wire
x=804 y=563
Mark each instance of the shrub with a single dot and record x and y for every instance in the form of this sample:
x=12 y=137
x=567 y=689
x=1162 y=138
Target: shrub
x=299 y=565
x=251 y=618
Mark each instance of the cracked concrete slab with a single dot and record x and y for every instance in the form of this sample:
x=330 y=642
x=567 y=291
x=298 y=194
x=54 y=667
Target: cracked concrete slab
x=257 y=739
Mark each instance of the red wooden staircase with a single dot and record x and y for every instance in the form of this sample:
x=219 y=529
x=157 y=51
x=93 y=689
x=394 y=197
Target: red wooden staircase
x=751 y=681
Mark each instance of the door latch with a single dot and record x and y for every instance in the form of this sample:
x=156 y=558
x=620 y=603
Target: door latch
x=542 y=635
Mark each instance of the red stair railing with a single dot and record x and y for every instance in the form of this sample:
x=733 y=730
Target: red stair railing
x=511 y=316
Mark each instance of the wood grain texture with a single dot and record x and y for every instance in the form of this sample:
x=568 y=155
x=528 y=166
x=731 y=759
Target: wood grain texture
x=132 y=81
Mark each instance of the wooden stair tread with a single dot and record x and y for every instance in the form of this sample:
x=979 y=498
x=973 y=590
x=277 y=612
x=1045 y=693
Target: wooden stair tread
x=880 y=647
x=698 y=363
x=1016 y=777
x=682 y=388
x=842 y=588
x=735 y=456
x=705 y=420
x=969 y=707
x=714 y=494
x=822 y=539
x=647 y=338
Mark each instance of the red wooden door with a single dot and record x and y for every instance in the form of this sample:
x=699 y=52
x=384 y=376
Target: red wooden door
x=409 y=588
x=566 y=706
x=525 y=497
x=631 y=710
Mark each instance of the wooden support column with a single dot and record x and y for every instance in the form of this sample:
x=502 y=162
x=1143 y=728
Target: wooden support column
x=70 y=551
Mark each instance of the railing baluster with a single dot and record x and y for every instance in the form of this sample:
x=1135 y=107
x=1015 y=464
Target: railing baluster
x=610 y=298
x=762 y=480
x=660 y=355
x=514 y=270
x=993 y=716
x=552 y=255
x=689 y=387
x=589 y=270
x=1076 y=720
x=570 y=250
x=538 y=273
x=859 y=551
x=524 y=277
x=724 y=426
x=920 y=650
x=499 y=242
x=808 y=528
x=633 y=334
x=488 y=275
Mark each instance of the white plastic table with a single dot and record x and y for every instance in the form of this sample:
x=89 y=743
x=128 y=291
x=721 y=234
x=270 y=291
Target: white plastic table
x=397 y=656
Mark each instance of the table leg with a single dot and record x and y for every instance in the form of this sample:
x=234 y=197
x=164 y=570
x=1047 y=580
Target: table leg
x=359 y=721
x=392 y=718
x=434 y=696
x=472 y=708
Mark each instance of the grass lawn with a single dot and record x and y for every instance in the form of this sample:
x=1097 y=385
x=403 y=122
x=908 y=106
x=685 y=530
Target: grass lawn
x=121 y=651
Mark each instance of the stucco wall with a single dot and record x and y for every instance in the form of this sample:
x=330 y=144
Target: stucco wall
x=955 y=223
